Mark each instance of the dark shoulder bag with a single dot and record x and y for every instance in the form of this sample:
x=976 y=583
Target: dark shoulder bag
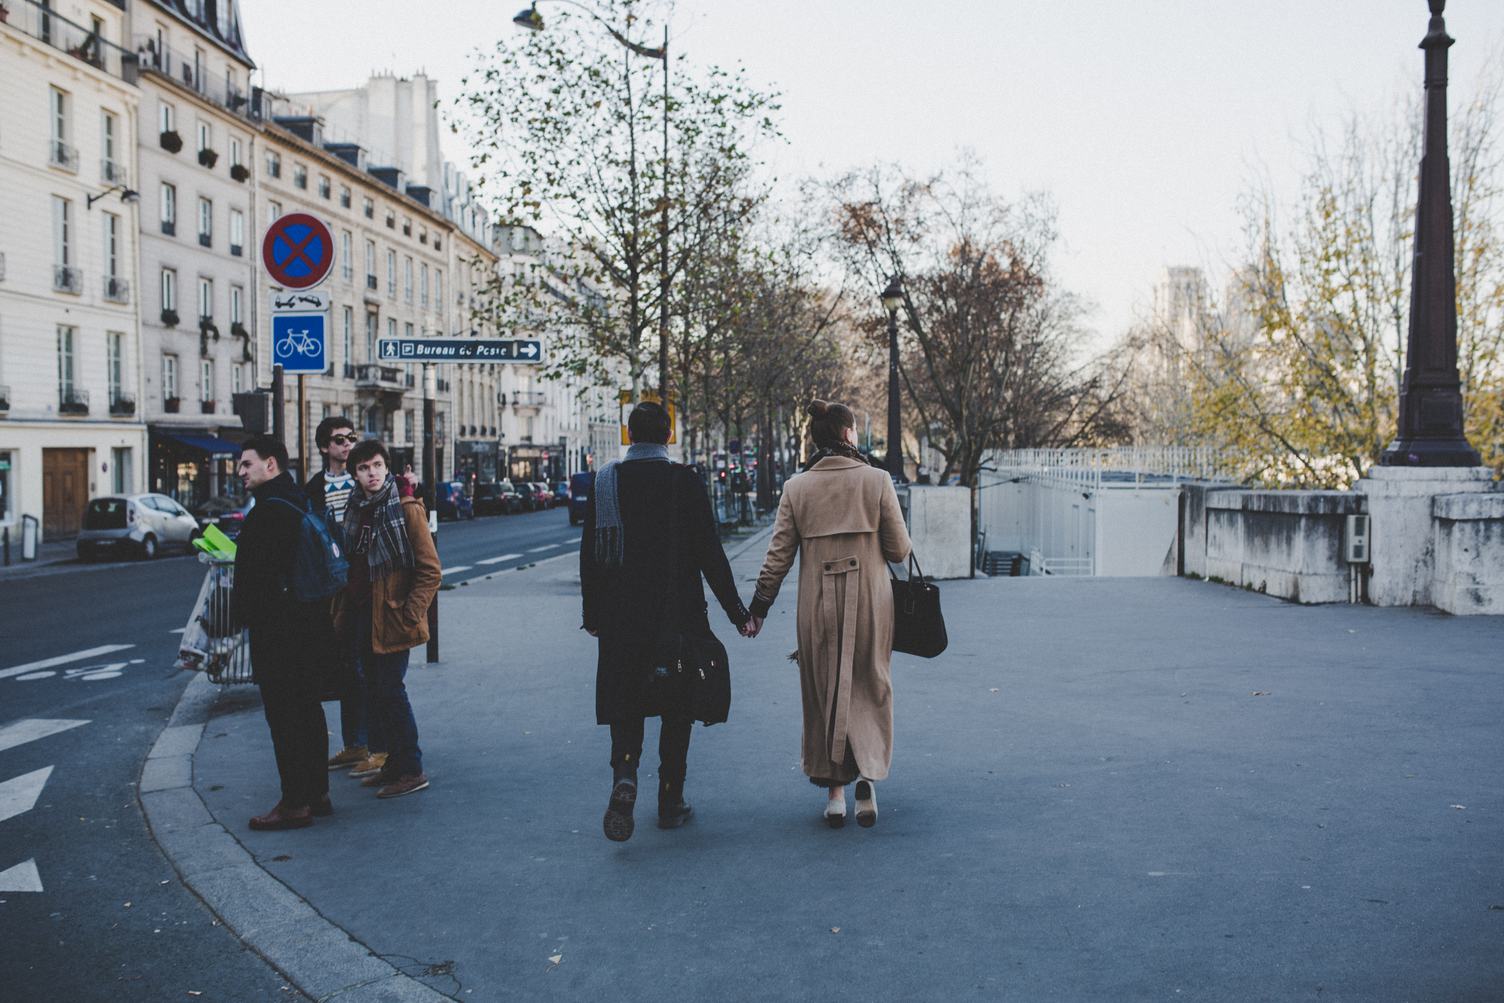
x=918 y=625
x=691 y=671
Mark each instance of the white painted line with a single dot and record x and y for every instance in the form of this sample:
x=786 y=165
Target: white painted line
x=29 y=729
x=456 y=569
x=77 y=656
x=498 y=560
x=177 y=630
x=20 y=794
x=21 y=878
x=547 y=546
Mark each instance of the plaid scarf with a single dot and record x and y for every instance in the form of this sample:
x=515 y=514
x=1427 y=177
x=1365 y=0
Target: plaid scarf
x=375 y=527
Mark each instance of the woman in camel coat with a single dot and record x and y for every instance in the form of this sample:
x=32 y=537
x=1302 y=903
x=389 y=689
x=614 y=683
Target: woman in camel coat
x=841 y=517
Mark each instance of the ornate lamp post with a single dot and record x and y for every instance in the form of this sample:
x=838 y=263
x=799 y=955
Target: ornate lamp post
x=533 y=21
x=892 y=298
x=1431 y=430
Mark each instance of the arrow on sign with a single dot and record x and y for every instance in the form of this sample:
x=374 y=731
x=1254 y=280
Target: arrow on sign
x=528 y=348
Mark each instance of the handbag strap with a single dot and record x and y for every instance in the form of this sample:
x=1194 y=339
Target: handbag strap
x=916 y=574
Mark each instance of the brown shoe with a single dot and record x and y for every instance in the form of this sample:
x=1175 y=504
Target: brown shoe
x=377 y=779
x=371 y=764
x=349 y=757
x=282 y=817
x=410 y=784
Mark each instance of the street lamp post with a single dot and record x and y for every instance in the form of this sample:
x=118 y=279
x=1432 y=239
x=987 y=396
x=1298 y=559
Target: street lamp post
x=1431 y=430
x=892 y=298
x=533 y=21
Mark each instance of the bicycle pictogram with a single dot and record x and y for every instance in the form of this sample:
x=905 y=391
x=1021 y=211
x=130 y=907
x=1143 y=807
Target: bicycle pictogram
x=300 y=342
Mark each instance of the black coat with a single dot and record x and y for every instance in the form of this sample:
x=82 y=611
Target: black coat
x=626 y=606
x=286 y=635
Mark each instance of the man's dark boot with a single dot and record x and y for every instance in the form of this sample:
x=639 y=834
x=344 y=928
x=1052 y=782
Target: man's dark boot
x=618 y=823
x=673 y=810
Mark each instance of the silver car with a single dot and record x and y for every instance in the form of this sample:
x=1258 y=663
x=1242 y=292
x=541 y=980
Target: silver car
x=141 y=524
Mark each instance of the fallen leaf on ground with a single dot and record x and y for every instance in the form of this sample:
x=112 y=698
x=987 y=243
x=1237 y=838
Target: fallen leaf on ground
x=1260 y=693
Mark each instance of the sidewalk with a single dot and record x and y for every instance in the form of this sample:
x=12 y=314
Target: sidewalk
x=1106 y=788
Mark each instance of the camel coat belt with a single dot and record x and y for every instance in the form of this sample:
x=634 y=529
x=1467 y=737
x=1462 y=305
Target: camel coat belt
x=842 y=520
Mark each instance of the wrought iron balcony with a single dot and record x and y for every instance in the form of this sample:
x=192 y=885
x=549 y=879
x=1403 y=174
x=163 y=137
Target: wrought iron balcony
x=61 y=155
x=371 y=376
x=529 y=398
x=67 y=279
x=71 y=400
x=112 y=173
x=4 y=399
x=117 y=290
x=122 y=405
x=371 y=282
x=179 y=68
x=47 y=26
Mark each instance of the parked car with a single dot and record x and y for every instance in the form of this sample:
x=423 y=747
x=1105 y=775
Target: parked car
x=496 y=498
x=452 y=501
x=580 y=486
x=561 y=493
x=543 y=496
x=515 y=501
x=142 y=524
x=226 y=511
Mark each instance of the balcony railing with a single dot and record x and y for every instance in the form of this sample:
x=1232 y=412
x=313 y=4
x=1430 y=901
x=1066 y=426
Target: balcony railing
x=50 y=28
x=122 y=405
x=67 y=279
x=61 y=155
x=113 y=173
x=71 y=400
x=169 y=228
x=4 y=398
x=529 y=398
x=371 y=376
x=117 y=290
x=180 y=69
x=206 y=240
x=371 y=282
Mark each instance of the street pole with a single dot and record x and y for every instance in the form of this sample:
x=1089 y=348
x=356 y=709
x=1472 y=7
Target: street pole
x=303 y=474
x=1431 y=432
x=663 y=383
x=895 y=437
x=431 y=479
x=279 y=405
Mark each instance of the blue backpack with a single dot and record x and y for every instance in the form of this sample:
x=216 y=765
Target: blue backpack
x=319 y=567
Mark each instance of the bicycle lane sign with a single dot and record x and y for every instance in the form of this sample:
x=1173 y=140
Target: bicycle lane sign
x=300 y=342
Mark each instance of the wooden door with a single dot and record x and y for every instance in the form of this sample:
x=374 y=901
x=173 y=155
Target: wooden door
x=65 y=491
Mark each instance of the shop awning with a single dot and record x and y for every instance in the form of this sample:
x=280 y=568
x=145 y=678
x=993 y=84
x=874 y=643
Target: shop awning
x=213 y=445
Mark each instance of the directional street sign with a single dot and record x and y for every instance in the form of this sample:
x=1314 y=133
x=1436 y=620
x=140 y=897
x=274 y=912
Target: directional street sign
x=312 y=301
x=300 y=342
x=460 y=350
x=297 y=251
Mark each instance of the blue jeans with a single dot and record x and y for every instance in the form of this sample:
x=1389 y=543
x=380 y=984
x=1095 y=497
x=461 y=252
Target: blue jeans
x=352 y=712
x=389 y=715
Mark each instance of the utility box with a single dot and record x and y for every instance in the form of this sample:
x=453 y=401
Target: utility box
x=1355 y=540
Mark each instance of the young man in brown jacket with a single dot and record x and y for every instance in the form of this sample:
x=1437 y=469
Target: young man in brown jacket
x=383 y=611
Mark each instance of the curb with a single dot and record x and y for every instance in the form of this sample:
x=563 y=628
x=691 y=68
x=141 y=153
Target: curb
x=318 y=957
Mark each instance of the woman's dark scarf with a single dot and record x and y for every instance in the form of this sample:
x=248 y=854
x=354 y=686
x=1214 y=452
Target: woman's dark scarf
x=610 y=542
x=388 y=547
x=845 y=449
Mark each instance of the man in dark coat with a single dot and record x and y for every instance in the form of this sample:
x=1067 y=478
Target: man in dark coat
x=287 y=636
x=649 y=536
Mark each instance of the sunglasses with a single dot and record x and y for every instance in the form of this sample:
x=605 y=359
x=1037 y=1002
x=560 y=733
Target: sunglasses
x=344 y=440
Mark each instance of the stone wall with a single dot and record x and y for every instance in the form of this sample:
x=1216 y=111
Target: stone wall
x=1469 y=553
x=1283 y=543
x=940 y=525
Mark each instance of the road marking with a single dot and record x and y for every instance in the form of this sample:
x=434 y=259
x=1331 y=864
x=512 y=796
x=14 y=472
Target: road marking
x=20 y=794
x=548 y=546
x=32 y=728
x=178 y=630
x=456 y=569
x=498 y=560
x=21 y=878
x=77 y=656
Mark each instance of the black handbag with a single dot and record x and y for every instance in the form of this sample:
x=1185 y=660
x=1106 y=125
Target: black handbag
x=918 y=624
x=690 y=671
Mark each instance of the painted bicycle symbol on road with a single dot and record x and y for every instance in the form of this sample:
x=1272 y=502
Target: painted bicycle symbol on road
x=300 y=342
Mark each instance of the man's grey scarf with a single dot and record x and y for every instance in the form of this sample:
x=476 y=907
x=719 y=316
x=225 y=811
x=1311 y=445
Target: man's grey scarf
x=387 y=546
x=609 y=541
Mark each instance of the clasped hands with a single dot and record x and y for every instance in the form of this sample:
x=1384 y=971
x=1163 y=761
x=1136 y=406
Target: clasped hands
x=752 y=627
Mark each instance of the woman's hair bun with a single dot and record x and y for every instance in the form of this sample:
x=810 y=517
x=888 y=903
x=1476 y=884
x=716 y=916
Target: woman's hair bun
x=818 y=408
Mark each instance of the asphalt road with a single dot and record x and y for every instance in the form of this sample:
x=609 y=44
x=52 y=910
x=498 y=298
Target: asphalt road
x=89 y=908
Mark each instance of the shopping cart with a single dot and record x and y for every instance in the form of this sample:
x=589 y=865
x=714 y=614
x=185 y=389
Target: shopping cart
x=212 y=643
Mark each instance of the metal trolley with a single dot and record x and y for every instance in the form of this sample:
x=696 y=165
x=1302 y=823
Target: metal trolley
x=212 y=644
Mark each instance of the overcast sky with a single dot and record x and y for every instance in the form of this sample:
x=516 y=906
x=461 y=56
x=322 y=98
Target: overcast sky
x=1143 y=119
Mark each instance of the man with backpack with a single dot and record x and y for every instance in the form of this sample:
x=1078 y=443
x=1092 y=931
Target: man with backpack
x=277 y=552
x=383 y=610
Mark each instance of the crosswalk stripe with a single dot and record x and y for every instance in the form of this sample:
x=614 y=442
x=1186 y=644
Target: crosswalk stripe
x=30 y=729
x=77 y=656
x=21 y=878
x=20 y=794
x=547 y=546
x=456 y=569
x=498 y=560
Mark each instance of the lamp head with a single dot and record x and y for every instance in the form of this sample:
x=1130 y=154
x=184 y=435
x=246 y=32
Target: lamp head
x=893 y=295
x=130 y=195
x=529 y=19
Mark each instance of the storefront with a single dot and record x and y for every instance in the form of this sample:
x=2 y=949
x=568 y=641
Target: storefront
x=192 y=468
x=477 y=461
x=536 y=463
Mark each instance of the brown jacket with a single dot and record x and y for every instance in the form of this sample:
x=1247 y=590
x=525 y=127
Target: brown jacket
x=400 y=600
x=842 y=518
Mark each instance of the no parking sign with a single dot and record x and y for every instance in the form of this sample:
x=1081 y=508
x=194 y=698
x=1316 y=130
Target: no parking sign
x=297 y=251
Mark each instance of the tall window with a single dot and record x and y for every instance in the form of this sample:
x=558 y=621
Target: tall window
x=407 y=329
x=423 y=288
x=391 y=327
x=205 y=222
x=407 y=279
x=347 y=340
x=300 y=175
x=114 y=363
x=235 y=160
x=370 y=264
x=167 y=117
x=108 y=139
x=205 y=298
x=58 y=101
x=237 y=232
x=370 y=336
x=237 y=378
x=65 y=360
x=344 y=196
x=62 y=232
x=205 y=136
x=169 y=377
x=169 y=208
x=438 y=287
x=237 y=298
x=368 y=207
x=206 y=379
x=111 y=246
x=391 y=273
x=324 y=186
x=273 y=164
x=273 y=210
x=122 y=475
x=346 y=266
x=169 y=289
